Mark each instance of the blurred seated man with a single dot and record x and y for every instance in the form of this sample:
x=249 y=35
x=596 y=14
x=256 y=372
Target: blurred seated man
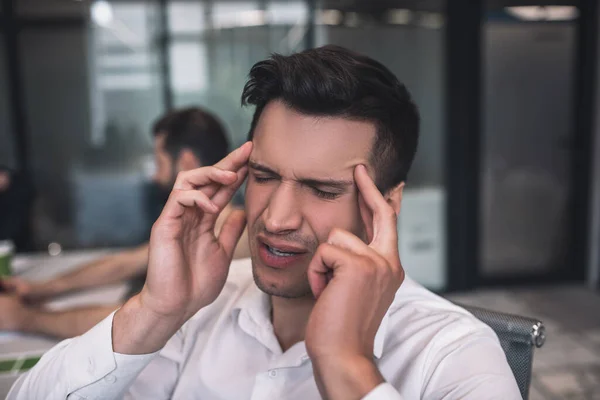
x=16 y=195
x=183 y=139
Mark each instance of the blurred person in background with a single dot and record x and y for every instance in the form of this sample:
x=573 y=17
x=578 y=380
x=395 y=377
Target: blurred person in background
x=16 y=199
x=183 y=140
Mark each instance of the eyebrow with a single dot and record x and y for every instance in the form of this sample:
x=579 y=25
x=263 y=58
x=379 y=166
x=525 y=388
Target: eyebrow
x=336 y=184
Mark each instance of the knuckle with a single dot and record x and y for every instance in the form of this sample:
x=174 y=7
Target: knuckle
x=323 y=247
x=389 y=212
x=175 y=193
x=378 y=260
x=366 y=266
x=334 y=234
x=210 y=170
x=155 y=226
x=181 y=175
x=400 y=275
x=387 y=273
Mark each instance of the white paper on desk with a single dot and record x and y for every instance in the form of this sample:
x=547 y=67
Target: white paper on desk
x=108 y=295
x=9 y=336
x=40 y=266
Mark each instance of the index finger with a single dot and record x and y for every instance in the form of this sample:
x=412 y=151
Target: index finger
x=385 y=235
x=236 y=159
x=222 y=173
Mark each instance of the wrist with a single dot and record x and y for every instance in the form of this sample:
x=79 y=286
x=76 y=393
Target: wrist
x=346 y=377
x=138 y=330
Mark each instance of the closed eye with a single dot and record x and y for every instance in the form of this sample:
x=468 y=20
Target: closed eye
x=325 y=195
x=322 y=194
x=262 y=179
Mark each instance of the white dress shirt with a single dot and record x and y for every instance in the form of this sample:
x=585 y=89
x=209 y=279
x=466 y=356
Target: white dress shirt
x=425 y=348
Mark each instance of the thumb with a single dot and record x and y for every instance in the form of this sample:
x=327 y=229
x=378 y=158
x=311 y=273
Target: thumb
x=232 y=230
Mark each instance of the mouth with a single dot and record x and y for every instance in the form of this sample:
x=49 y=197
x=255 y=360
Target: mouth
x=280 y=255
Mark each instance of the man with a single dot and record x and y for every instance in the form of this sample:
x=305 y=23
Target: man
x=324 y=309
x=183 y=140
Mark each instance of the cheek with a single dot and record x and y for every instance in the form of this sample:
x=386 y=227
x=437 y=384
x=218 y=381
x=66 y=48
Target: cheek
x=256 y=200
x=325 y=216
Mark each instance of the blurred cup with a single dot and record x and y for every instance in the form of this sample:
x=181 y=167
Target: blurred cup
x=7 y=249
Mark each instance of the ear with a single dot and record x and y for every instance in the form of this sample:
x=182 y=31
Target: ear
x=394 y=197
x=187 y=160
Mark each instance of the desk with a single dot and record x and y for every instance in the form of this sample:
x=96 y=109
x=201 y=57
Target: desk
x=36 y=267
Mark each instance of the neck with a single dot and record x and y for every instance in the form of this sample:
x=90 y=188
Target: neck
x=290 y=317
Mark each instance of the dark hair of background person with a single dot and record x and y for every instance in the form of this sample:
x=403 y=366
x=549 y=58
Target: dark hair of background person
x=334 y=81
x=195 y=129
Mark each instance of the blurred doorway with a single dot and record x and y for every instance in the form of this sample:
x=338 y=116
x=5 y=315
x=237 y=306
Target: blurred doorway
x=7 y=149
x=529 y=61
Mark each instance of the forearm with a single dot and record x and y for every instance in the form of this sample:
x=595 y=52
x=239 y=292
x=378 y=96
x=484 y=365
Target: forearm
x=75 y=368
x=346 y=378
x=65 y=324
x=110 y=269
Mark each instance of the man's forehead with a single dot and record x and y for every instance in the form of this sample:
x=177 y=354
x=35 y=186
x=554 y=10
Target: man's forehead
x=287 y=140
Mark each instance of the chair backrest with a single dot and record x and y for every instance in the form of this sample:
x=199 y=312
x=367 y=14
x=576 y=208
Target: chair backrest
x=518 y=336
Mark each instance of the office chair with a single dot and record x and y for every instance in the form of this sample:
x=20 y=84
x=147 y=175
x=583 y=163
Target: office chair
x=518 y=336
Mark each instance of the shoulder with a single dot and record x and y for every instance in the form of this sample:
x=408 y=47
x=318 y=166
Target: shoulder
x=446 y=347
x=433 y=321
x=440 y=342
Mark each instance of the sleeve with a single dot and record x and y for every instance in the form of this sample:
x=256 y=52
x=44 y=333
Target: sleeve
x=384 y=391
x=471 y=368
x=87 y=367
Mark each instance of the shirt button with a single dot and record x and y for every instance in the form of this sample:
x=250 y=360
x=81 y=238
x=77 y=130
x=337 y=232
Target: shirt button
x=110 y=379
x=272 y=373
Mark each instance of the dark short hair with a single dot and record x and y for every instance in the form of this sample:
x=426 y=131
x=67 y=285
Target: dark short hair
x=195 y=129
x=334 y=81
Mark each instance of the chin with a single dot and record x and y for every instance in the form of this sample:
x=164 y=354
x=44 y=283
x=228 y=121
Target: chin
x=280 y=283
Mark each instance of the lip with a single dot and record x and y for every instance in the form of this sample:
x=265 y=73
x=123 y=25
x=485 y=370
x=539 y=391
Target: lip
x=281 y=245
x=279 y=262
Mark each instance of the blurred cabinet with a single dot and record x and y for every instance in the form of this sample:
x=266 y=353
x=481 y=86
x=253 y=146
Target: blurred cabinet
x=528 y=70
x=7 y=149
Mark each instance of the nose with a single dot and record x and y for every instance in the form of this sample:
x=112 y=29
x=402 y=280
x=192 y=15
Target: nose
x=282 y=214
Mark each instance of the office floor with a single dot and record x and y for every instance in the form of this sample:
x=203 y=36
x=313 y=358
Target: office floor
x=568 y=365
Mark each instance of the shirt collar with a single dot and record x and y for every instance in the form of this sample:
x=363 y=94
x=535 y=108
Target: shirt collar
x=256 y=305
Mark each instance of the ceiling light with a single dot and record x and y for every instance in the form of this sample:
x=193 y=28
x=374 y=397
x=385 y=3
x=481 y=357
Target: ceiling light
x=544 y=13
x=102 y=13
